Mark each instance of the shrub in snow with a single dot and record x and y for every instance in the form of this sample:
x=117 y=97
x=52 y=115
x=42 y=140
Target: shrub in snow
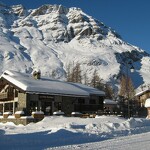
x=18 y=114
x=38 y=114
x=26 y=117
x=6 y=114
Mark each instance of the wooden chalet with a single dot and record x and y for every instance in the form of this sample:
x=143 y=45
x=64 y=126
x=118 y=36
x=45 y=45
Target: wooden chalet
x=28 y=93
x=142 y=96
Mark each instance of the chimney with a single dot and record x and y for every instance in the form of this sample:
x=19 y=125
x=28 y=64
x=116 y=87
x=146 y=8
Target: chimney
x=36 y=74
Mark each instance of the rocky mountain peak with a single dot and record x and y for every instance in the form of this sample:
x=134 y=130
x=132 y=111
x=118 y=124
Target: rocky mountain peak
x=47 y=9
x=19 y=10
x=52 y=36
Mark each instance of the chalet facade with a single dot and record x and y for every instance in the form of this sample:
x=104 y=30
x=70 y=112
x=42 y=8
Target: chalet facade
x=142 y=96
x=147 y=105
x=28 y=93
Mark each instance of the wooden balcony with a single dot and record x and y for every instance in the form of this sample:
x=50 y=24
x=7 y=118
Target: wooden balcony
x=3 y=96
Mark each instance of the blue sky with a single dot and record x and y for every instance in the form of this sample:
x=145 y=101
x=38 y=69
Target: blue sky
x=130 y=18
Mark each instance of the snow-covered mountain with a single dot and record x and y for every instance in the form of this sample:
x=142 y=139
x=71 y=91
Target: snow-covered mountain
x=52 y=36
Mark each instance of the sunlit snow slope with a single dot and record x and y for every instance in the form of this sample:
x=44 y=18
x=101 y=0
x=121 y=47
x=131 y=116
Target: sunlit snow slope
x=52 y=36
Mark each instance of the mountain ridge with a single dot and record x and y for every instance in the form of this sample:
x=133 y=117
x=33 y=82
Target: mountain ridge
x=52 y=36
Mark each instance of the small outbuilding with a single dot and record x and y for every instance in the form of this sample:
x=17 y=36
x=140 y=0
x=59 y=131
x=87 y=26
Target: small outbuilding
x=147 y=105
x=109 y=105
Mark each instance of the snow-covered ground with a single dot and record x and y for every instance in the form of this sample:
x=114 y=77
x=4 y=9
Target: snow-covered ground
x=57 y=132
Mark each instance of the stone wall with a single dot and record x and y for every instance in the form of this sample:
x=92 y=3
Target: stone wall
x=22 y=102
x=18 y=121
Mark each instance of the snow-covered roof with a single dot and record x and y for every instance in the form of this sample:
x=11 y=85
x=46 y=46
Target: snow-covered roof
x=27 y=83
x=111 y=102
x=141 y=92
x=147 y=103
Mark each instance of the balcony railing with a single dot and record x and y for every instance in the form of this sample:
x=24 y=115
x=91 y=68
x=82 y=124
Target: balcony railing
x=89 y=107
x=3 y=96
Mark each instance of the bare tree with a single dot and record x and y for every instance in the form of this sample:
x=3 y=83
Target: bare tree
x=53 y=74
x=85 y=78
x=109 y=91
x=74 y=73
x=126 y=88
x=96 y=81
x=77 y=73
x=68 y=72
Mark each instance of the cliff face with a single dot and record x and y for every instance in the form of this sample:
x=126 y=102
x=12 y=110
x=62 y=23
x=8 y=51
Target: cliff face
x=52 y=36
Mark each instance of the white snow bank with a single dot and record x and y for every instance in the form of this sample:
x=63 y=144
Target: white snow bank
x=57 y=131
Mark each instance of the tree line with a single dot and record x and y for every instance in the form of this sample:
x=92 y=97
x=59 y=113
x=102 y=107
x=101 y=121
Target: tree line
x=75 y=74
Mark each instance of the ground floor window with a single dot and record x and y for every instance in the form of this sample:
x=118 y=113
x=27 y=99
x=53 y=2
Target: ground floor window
x=33 y=105
x=92 y=101
x=58 y=105
x=81 y=101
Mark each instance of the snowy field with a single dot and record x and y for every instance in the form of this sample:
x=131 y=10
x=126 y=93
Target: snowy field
x=61 y=133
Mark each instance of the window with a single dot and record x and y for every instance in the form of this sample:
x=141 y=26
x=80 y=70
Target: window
x=58 y=105
x=92 y=101
x=33 y=105
x=81 y=101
